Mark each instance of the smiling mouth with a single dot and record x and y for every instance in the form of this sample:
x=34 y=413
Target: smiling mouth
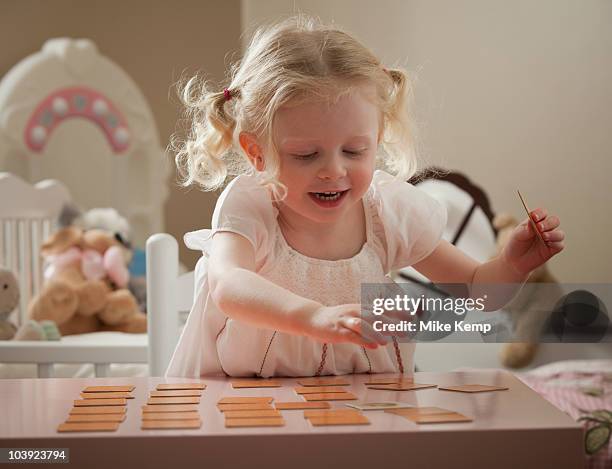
x=328 y=196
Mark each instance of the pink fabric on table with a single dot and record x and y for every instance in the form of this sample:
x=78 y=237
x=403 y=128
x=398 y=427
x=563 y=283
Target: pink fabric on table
x=565 y=390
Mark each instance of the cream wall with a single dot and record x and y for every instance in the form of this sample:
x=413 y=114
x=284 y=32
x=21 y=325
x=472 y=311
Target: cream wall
x=154 y=41
x=513 y=94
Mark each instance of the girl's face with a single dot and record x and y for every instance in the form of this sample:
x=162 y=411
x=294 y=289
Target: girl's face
x=327 y=149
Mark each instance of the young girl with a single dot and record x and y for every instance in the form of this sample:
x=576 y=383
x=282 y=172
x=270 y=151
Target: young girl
x=308 y=115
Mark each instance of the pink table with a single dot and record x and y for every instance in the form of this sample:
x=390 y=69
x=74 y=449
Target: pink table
x=514 y=428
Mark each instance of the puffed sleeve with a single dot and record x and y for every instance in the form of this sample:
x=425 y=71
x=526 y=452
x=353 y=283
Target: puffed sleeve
x=244 y=207
x=408 y=223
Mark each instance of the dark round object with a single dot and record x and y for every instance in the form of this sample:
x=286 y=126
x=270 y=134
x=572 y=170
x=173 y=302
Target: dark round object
x=578 y=317
x=580 y=308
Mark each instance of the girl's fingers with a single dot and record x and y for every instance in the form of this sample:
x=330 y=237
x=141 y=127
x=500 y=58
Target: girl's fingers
x=352 y=311
x=524 y=231
x=553 y=236
x=549 y=223
x=365 y=330
x=349 y=335
x=556 y=248
x=392 y=319
x=538 y=214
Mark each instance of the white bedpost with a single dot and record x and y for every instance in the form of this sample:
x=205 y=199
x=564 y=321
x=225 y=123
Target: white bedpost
x=162 y=306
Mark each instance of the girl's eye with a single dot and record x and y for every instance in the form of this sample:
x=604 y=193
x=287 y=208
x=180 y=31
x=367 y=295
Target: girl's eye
x=354 y=152
x=305 y=157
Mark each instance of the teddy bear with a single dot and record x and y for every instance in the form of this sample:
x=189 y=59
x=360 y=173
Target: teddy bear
x=110 y=220
x=529 y=309
x=9 y=299
x=85 y=284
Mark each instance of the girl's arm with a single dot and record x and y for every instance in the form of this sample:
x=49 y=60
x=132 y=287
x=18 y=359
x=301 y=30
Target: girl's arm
x=449 y=265
x=244 y=295
x=523 y=253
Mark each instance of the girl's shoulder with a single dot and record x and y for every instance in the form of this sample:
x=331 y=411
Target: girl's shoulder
x=244 y=197
x=391 y=195
x=244 y=207
x=407 y=222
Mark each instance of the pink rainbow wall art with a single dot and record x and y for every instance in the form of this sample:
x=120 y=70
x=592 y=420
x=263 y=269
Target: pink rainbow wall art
x=76 y=102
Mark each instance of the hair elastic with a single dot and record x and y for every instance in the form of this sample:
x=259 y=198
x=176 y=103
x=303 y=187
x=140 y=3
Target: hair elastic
x=227 y=94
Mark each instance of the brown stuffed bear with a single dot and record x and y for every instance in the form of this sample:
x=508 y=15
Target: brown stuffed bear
x=85 y=288
x=528 y=310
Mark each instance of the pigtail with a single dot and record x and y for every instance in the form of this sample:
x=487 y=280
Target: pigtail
x=399 y=139
x=205 y=157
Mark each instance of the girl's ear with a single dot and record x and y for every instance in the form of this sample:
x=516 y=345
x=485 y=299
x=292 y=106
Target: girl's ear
x=251 y=148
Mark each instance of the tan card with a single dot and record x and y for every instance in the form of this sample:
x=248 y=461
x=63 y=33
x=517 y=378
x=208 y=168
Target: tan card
x=402 y=386
x=390 y=380
x=99 y=402
x=441 y=418
x=256 y=422
x=301 y=405
x=324 y=381
x=193 y=415
x=95 y=418
x=170 y=424
x=254 y=406
x=177 y=393
x=318 y=389
x=88 y=427
x=473 y=388
x=330 y=413
x=247 y=414
x=339 y=420
x=245 y=400
x=106 y=395
x=330 y=396
x=116 y=410
x=170 y=408
x=178 y=386
x=255 y=383
x=417 y=411
x=128 y=388
x=173 y=400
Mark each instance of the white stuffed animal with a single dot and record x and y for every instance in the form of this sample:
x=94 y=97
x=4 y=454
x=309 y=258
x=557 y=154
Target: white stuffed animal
x=9 y=299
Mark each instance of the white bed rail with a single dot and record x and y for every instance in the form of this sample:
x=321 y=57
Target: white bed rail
x=45 y=354
x=162 y=300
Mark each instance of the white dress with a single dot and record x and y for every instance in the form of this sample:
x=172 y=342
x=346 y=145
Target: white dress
x=403 y=225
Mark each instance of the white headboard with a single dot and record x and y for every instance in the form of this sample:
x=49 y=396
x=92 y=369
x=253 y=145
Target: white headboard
x=71 y=114
x=27 y=217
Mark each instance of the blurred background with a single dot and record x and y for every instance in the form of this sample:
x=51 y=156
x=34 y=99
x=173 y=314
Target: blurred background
x=515 y=95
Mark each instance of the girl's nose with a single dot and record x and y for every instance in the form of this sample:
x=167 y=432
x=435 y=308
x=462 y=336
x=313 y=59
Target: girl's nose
x=333 y=168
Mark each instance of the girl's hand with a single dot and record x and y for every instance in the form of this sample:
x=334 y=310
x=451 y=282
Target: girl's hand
x=525 y=251
x=343 y=323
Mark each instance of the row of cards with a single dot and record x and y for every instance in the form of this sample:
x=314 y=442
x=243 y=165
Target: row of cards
x=327 y=385
x=172 y=407
x=100 y=409
x=250 y=412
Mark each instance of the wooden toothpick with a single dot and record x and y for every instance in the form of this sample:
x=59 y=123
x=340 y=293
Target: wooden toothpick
x=533 y=223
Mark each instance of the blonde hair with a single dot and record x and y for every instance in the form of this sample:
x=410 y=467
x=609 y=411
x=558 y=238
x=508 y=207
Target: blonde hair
x=298 y=58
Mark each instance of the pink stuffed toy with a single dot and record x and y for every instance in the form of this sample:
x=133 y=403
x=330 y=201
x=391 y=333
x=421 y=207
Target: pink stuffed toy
x=94 y=265
x=85 y=284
